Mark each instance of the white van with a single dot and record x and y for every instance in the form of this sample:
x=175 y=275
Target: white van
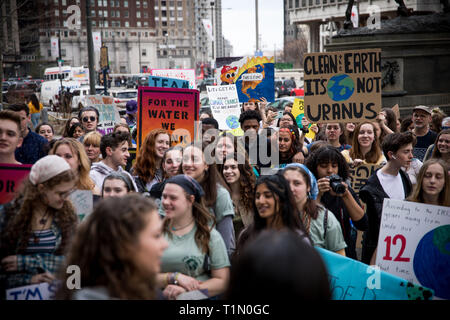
x=49 y=89
x=79 y=96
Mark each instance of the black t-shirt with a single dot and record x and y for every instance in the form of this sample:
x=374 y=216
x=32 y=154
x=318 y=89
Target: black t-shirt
x=336 y=205
x=423 y=143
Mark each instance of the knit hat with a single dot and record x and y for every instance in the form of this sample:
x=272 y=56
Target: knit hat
x=131 y=107
x=46 y=168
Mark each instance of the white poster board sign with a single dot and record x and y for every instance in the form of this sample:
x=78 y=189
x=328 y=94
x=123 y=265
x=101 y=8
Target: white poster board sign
x=224 y=103
x=182 y=74
x=109 y=115
x=40 y=291
x=414 y=244
x=82 y=200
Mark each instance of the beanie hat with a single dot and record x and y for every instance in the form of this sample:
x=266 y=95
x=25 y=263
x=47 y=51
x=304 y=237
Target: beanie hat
x=46 y=168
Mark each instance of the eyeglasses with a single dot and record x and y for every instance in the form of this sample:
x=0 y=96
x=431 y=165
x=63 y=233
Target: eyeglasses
x=86 y=119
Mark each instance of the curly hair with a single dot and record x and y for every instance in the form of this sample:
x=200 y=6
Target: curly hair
x=146 y=161
x=19 y=227
x=375 y=151
x=202 y=218
x=105 y=245
x=436 y=153
x=84 y=164
x=327 y=154
x=296 y=144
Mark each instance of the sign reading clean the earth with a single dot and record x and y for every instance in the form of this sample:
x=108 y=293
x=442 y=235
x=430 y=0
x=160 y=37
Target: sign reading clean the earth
x=342 y=86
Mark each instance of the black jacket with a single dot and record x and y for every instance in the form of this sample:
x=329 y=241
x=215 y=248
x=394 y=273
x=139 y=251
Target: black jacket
x=373 y=195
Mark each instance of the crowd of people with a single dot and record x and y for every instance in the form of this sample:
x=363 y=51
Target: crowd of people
x=221 y=216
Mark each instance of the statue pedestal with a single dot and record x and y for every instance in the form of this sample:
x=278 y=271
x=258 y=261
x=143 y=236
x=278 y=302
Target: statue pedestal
x=415 y=59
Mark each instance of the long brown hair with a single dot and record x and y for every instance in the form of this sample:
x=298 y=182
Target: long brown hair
x=202 y=217
x=145 y=166
x=444 y=195
x=19 y=227
x=84 y=164
x=105 y=245
x=375 y=151
x=436 y=153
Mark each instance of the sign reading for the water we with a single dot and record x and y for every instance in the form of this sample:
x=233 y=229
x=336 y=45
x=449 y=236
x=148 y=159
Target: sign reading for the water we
x=342 y=86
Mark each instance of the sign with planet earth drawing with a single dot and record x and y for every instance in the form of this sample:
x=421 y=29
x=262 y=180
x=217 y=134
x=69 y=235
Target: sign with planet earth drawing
x=343 y=86
x=254 y=77
x=414 y=244
x=224 y=104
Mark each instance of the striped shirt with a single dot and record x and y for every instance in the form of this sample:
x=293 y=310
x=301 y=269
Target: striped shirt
x=46 y=243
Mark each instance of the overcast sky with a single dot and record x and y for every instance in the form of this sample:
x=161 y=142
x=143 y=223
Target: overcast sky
x=238 y=25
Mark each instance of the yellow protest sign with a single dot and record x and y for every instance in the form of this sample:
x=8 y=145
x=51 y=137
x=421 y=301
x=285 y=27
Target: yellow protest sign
x=298 y=111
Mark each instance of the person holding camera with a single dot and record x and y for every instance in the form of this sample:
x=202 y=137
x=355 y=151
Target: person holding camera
x=331 y=170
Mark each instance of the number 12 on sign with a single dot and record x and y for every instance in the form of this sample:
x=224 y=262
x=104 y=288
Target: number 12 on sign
x=399 y=257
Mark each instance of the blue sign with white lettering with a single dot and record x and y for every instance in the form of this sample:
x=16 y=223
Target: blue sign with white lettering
x=162 y=82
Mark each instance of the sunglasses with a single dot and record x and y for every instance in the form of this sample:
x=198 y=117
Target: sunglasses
x=86 y=119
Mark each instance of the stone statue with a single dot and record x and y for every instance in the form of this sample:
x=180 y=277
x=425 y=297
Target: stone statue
x=402 y=10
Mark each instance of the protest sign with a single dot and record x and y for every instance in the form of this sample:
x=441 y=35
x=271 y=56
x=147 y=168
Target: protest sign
x=224 y=104
x=414 y=244
x=254 y=77
x=109 y=115
x=181 y=74
x=360 y=174
x=396 y=110
x=41 y=291
x=162 y=82
x=11 y=178
x=354 y=280
x=174 y=110
x=298 y=111
x=343 y=86
x=82 y=200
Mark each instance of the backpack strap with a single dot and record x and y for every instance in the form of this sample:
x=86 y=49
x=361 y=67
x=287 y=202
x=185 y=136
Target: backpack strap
x=325 y=224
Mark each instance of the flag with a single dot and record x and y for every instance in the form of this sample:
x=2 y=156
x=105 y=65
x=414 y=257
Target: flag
x=97 y=40
x=355 y=17
x=54 y=47
x=208 y=28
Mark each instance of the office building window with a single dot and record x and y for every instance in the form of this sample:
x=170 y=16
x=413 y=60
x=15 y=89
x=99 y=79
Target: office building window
x=126 y=14
x=92 y=13
x=117 y=3
x=105 y=14
x=100 y=3
x=113 y=14
x=145 y=14
x=56 y=13
x=112 y=3
x=144 y=52
x=138 y=24
x=100 y=13
x=64 y=2
x=125 y=4
x=127 y=24
x=106 y=24
x=145 y=24
x=105 y=3
x=118 y=14
x=138 y=4
x=145 y=4
x=138 y=14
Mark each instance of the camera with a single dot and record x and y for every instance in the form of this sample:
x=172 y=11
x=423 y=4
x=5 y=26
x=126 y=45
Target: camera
x=336 y=184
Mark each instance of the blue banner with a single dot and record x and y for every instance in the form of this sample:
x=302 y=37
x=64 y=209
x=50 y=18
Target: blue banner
x=354 y=280
x=161 y=82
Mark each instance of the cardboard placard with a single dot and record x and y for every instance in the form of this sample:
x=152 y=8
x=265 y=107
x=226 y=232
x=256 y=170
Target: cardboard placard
x=254 y=77
x=11 y=178
x=174 y=110
x=83 y=202
x=396 y=110
x=414 y=242
x=109 y=115
x=224 y=103
x=354 y=280
x=360 y=174
x=181 y=74
x=162 y=82
x=298 y=111
x=343 y=86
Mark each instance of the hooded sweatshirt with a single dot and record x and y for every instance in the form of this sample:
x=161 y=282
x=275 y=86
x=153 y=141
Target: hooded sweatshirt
x=99 y=171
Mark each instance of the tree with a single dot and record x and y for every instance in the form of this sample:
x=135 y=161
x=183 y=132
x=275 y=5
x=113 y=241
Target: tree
x=294 y=50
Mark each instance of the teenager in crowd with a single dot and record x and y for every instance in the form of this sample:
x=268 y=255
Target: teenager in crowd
x=424 y=135
x=123 y=127
x=365 y=147
x=131 y=111
x=441 y=148
x=73 y=152
x=407 y=125
x=349 y=132
x=117 y=184
x=147 y=169
x=342 y=200
x=335 y=133
x=259 y=106
x=320 y=224
x=274 y=208
x=289 y=145
x=118 y=249
x=10 y=136
x=91 y=144
x=278 y=265
x=205 y=114
x=33 y=146
x=241 y=180
x=35 y=109
x=194 y=245
x=387 y=182
x=210 y=130
x=69 y=123
x=114 y=149
x=45 y=130
x=217 y=198
x=433 y=184
x=387 y=122
x=76 y=131
x=89 y=117
x=36 y=228
x=437 y=115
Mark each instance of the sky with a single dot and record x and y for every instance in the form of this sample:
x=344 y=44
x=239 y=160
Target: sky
x=238 y=25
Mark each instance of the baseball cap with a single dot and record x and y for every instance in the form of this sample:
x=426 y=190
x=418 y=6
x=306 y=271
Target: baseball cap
x=423 y=108
x=131 y=107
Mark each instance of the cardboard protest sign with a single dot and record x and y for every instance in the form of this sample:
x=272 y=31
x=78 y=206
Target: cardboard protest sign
x=174 y=110
x=414 y=244
x=83 y=201
x=396 y=110
x=109 y=115
x=354 y=280
x=181 y=74
x=298 y=111
x=254 y=77
x=11 y=178
x=162 y=82
x=360 y=174
x=225 y=107
x=41 y=291
x=343 y=86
